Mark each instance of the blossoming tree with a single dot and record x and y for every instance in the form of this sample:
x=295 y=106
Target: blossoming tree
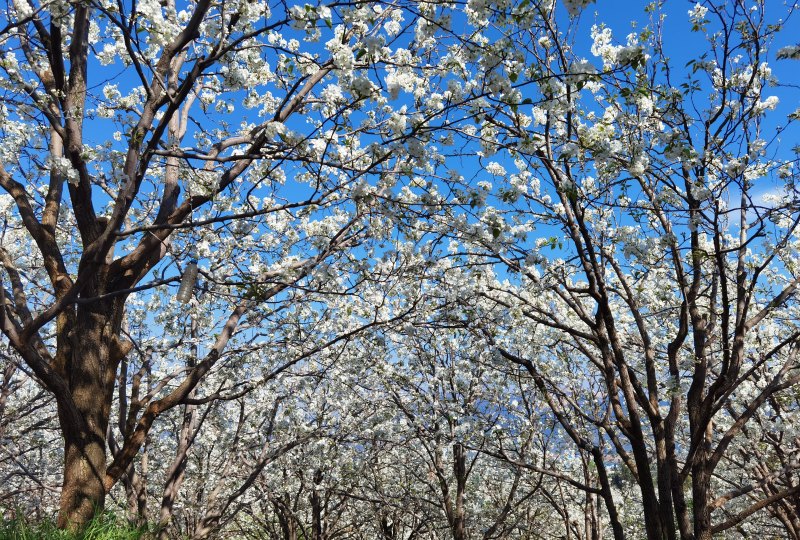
x=656 y=312
x=144 y=139
x=553 y=271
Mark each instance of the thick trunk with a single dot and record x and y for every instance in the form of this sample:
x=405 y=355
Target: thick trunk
x=92 y=355
x=83 y=492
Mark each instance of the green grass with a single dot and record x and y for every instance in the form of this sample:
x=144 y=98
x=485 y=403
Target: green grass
x=103 y=527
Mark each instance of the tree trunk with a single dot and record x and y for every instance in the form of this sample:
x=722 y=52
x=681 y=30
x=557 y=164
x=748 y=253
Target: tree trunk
x=701 y=486
x=608 y=499
x=388 y=529
x=317 y=532
x=701 y=480
x=664 y=483
x=285 y=518
x=176 y=472
x=91 y=353
x=82 y=493
x=460 y=473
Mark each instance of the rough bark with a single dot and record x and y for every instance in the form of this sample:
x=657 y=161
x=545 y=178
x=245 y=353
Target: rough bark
x=94 y=351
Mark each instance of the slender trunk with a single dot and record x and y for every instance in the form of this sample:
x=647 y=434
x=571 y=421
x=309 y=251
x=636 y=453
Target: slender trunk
x=701 y=480
x=590 y=531
x=608 y=499
x=316 y=508
x=6 y=387
x=177 y=470
x=702 y=469
x=678 y=497
x=460 y=473
x=285 y=518
x=136 y=496
x=591 y=523
x=664 y=483
x=175 y=477
x=388 y=529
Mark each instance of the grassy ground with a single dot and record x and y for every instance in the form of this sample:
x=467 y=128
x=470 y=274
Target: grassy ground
x=105 y=527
